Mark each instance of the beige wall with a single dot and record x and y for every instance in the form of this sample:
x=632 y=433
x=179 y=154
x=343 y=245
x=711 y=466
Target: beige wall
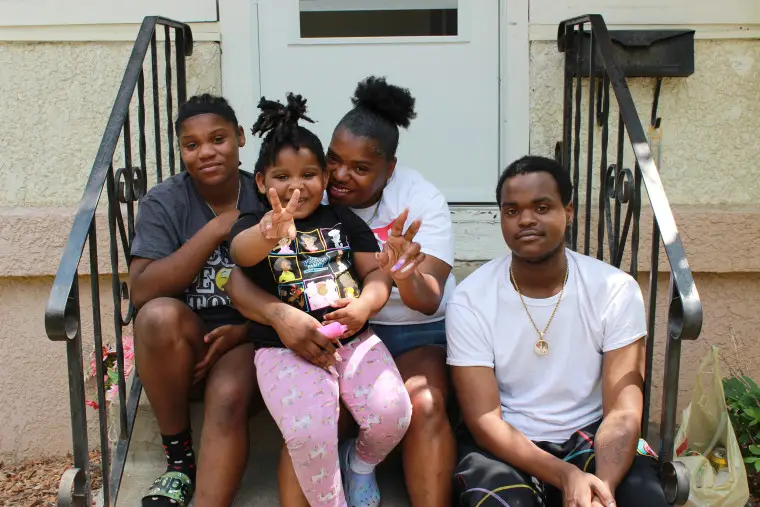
x=709 y=119
x=56 y=98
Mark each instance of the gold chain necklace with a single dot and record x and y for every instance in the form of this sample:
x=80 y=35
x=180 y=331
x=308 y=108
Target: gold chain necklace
x=542 y=346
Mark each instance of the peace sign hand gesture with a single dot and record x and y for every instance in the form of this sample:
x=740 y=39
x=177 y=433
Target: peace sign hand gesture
x=401 y=255
x=278 y=223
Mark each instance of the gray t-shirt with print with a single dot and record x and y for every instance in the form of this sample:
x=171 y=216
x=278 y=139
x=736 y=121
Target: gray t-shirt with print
x=168 y=216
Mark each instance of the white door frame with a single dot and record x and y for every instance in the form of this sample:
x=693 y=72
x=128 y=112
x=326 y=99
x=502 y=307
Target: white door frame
x=238 y=20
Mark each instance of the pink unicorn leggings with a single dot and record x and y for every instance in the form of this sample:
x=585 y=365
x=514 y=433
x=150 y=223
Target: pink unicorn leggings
x=303 y=400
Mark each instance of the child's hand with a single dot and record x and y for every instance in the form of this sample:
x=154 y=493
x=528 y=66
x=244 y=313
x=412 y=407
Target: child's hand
x=351 y=312
x=279 y=223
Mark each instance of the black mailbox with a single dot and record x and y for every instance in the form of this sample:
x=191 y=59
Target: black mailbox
x=645 y=53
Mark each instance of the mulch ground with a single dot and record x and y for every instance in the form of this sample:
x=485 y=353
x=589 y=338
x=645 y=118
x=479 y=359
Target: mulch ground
x=35 y=482
x=754 y=490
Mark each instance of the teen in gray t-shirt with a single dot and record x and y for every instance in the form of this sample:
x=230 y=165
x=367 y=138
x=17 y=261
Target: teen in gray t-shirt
x=172 y=213
x=187 y=335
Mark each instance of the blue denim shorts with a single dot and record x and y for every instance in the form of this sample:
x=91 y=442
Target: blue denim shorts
x=401 y=339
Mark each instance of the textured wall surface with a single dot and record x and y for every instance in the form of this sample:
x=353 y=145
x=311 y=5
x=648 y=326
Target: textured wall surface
x=35 y=419
x=55 y=99
x=709 y=119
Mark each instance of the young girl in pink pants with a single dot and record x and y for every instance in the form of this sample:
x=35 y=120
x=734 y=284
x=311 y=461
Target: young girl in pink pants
x=322 y=260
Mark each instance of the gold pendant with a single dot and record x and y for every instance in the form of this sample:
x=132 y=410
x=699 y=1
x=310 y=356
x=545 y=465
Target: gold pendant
x=541 y=347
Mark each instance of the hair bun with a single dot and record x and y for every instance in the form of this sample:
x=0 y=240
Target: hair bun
x=277 y=117
x=388 y=101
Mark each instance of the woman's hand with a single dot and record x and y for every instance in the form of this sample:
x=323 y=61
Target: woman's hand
x=401 y=255
x=298 y=332
x=351 y=312
x=279 y=223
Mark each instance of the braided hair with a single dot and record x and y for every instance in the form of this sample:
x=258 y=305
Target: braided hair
x=379 y=110
x=278 y=126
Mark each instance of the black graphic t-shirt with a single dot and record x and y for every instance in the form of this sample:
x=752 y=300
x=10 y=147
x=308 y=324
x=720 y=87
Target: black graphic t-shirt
x=169 y=215
x=315 y=269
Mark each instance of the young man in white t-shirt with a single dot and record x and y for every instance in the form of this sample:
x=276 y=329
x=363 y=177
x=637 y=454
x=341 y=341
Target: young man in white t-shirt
x=546 y=350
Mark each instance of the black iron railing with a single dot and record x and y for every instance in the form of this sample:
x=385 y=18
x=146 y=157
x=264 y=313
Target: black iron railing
x=124 y=186
x=618 y=205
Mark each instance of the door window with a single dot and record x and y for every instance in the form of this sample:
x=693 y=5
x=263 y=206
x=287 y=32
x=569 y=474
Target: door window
x=378 y=18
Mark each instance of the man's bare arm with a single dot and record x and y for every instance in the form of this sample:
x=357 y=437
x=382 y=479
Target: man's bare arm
x=623 y=400
x=478 y=395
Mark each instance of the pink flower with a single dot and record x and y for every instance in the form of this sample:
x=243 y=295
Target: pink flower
x=92 y=404
x=112 y=392
x=129 y=354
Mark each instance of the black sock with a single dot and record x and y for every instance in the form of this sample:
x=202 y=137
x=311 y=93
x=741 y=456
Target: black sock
x=180 y=456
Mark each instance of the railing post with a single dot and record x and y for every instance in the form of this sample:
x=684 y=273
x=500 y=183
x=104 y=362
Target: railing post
x=80 y=488
x=670 y=381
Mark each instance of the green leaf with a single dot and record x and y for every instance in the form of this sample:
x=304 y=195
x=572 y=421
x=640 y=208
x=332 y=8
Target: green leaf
x=733 y=387
x=757 y=466
x=749 y=381
x=753 y=412
x=753 y=423
x=750 y=460
x=755 y=449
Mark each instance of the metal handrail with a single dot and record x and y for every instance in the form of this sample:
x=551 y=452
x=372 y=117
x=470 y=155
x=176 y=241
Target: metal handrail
x=690 y=325
x=620 y=187
x=58 y=325
x=123 y=187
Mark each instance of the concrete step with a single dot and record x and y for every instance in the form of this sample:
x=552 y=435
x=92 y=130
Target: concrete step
x=145 y=462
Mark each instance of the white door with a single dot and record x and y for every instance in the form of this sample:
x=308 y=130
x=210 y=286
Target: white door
x=445 y=51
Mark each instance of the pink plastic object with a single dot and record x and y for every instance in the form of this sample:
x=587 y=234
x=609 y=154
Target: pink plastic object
x=333 y=330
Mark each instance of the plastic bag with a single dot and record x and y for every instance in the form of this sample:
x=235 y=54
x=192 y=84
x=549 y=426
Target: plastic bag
x=707 y=445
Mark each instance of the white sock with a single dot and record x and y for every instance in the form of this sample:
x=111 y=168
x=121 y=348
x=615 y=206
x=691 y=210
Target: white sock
x=357 y=464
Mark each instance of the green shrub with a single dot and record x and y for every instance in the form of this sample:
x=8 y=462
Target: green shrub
x=743 y=400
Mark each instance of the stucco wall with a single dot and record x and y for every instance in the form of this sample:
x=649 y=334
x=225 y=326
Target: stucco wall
x=55 y=99
x=35 y=418
x=709 y=120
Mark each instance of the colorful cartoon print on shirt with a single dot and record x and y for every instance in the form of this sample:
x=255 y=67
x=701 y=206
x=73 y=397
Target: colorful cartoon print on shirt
x=322 y=292
x=318 y=274
x=334 y=239
x=340 y=262
x=293 y=294
x=285 y=269
x=284 y=247
x=310 y=242
x=349 y=287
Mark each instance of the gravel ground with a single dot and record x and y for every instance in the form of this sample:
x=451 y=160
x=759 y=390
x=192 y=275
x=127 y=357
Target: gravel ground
x=35 y=482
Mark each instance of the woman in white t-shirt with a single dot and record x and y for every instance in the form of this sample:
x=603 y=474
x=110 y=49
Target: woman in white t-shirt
x=418 y=251
x=365 y=176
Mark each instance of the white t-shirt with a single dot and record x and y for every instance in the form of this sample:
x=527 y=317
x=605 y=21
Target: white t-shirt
x=547 y=398
x=409 y=189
